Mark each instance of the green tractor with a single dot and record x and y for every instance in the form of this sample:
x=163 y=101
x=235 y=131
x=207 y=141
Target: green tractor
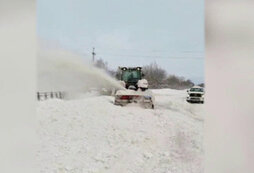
x=136 y=88
x=131 y=77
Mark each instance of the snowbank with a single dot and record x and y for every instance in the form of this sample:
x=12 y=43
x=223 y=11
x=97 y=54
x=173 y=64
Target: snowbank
x=92 y=135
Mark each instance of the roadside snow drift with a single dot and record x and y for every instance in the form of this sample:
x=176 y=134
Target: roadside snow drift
x=92 y=135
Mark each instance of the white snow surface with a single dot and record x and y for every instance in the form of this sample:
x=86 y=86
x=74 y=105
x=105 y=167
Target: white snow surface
x=92 y=135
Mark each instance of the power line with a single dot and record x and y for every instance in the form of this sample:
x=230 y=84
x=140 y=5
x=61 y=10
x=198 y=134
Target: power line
x=153 y=56
x=148 y=50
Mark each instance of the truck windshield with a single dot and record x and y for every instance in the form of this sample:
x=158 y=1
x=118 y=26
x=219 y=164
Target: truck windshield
x=197 y=89
x=131 y=75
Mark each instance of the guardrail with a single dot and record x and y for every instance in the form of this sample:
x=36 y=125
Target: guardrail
x=49 y=95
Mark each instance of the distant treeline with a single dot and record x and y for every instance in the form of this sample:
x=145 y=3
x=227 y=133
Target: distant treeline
x=156 y=76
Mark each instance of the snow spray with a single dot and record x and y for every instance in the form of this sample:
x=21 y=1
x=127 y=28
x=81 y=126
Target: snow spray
x=68 y=72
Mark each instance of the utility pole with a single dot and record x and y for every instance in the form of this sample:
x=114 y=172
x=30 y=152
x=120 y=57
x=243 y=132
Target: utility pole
x=93 y=54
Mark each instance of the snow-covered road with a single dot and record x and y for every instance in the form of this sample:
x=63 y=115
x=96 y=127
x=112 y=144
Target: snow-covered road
x=91 y=135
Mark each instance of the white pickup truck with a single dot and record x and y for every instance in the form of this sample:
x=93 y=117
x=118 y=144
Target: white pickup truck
x=195 y=95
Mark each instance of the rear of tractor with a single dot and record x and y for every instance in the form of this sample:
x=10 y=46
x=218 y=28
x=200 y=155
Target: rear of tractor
x=136 y=88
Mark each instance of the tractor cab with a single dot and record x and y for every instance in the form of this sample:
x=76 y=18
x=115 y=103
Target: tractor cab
x=130 y=76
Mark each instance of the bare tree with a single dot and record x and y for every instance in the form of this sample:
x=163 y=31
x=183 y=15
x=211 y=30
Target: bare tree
x=155 y=75
x=158 y=78
x=101 y=64
x=201 y=84
x=176 y=82
x=104 y=65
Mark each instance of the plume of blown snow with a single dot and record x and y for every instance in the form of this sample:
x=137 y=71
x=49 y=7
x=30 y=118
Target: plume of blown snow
x=60 y=70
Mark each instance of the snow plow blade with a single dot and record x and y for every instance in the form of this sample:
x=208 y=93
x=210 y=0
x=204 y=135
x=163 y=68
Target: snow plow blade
x=144 y=99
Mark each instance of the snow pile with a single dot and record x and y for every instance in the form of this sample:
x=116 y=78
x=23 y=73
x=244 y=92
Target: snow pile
x=92 y=135
x=176 y=100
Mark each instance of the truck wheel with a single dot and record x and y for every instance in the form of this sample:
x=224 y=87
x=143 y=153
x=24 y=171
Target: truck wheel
x=152 y=106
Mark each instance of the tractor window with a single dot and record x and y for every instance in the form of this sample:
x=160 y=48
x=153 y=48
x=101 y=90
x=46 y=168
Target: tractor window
x=130 y=75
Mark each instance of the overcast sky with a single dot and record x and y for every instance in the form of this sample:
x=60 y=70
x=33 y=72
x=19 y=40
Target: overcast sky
x=130 y=32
